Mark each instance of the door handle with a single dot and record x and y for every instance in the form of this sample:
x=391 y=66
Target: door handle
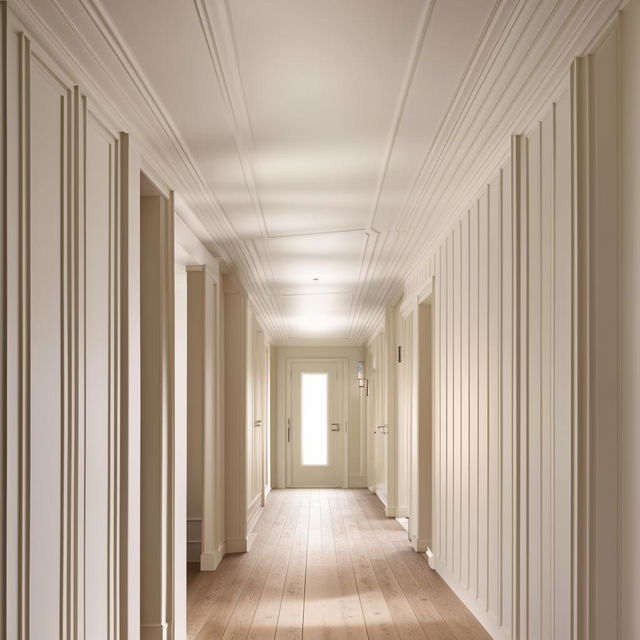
x=335 y=426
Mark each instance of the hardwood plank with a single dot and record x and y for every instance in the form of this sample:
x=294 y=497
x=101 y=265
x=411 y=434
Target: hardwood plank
x=208 y=617
x=247 y=603
x=330 y=611
x=378 y=618
x=265 y=620
x=458 y=617
x=326 y=564
x=404 y=618
x=291 y=614
x=430 y=619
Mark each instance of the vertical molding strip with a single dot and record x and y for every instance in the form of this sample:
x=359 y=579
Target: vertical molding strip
x=24 y=338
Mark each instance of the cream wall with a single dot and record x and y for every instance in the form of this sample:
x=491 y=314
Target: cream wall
x=525 y=374
x=630 y=339
x=246 y=389
x=73 y=326
x=66 y=358
x=357 y=440
x=381 y=422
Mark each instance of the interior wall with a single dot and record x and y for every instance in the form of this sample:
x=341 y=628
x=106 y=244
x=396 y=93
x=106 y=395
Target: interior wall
x=235 y=415
x=246 y=415
x=357 y=442
x=197 y=288
x=376 y=419
x=161 y=578
x=473 y=350
x=630 y=326
x=64 y=366
x=404 y=372
x=525 y=382
x=257 y=421
x=190 y=298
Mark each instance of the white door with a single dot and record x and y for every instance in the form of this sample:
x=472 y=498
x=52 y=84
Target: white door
x=317 y=427
x=380 y=428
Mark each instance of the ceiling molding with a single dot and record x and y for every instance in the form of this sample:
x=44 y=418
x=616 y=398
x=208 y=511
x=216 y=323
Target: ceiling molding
x=413 y=63
x=156 y=133
x=318 y=343
x=451 y=166
x=520 y=61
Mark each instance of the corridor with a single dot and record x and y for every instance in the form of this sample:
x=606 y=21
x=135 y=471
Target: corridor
x=325 y=564
x=320 y=319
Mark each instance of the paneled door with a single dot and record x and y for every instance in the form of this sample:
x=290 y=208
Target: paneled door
x=316 y=425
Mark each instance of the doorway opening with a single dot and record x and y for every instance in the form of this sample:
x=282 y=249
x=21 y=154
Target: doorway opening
x=157 y=604
x=420 y=523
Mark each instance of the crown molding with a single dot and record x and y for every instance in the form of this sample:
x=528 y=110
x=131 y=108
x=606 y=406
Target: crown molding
x=521 y=60
x=293 y=343
x=117 y=83
x=474 y=140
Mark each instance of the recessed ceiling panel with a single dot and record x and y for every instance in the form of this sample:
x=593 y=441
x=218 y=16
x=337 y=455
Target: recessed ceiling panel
x=322 y=81
x=320 y=263
x=441 y=63
x=313 y=316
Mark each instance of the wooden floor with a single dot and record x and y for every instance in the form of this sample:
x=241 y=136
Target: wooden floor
x=325 y=564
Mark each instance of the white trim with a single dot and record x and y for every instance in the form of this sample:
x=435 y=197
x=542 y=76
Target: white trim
x=357 y=480
x=210 y=561
x=421 y=545
x=236 y=545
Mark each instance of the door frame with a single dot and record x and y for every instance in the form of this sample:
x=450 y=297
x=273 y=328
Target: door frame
x=343 y=366
x=421 y=501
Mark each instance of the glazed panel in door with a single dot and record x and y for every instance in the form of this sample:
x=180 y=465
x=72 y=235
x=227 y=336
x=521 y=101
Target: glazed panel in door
x=317 y=425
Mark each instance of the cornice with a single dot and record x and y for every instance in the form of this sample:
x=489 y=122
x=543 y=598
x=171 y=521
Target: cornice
x=468 y=150
x=532 y=42
x=146 y=119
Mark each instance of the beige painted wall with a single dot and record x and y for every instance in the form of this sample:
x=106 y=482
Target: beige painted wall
x=630 y=345
x=509 y=433
x=357 y=443
x=64 y=326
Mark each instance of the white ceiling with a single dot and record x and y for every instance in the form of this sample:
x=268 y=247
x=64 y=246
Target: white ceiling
x=309 y=120
x=331 y=138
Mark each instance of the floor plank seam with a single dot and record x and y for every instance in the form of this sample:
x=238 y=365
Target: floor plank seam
x=344 y=570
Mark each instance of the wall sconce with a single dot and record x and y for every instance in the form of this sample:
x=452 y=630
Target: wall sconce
x=363 y=383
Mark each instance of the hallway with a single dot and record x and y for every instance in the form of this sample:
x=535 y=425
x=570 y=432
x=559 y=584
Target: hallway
x=325 y=564
x=320 y=319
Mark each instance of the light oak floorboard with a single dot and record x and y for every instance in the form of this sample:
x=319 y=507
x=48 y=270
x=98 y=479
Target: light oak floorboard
x=326 y=564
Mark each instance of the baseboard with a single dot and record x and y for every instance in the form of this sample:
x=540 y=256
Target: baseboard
x=402 y=512
x=158 y=631
x=489 y=622
x=357 y=481
x=391 y=511
x=235 y=545
x=430 y=558
x=210 y=561
x=194 y=550
x=253 y=512
x=420 y=545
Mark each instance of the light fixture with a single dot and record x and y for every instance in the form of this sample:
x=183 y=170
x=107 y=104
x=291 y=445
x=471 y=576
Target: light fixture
x=363 y=383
